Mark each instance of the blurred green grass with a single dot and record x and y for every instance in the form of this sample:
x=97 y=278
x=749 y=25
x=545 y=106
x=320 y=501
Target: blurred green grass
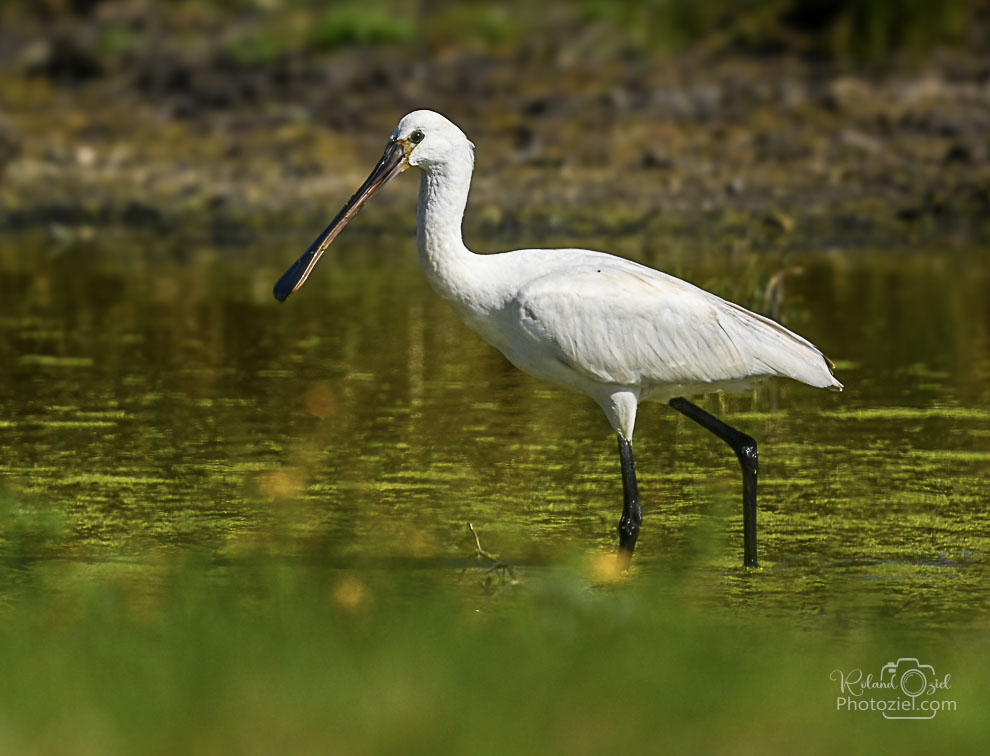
x=262 y=655
x=258 y=31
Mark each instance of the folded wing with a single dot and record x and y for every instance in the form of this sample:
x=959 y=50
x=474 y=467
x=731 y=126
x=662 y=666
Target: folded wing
x=621 y=323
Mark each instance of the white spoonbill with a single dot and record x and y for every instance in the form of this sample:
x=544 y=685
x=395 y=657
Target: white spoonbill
x=610 y=328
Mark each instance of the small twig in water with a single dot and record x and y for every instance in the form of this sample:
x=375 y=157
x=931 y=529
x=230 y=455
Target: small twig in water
x=497 y=565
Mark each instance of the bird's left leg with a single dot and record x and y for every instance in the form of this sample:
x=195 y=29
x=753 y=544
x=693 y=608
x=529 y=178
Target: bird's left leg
x=620 y=408
x=632 y=513
x=745 y=448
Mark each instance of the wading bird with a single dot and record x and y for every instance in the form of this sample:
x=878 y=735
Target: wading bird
x=610 y=328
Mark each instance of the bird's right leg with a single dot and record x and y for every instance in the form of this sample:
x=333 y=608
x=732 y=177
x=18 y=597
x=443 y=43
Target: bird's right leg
x=632 y=514
x=745 y=448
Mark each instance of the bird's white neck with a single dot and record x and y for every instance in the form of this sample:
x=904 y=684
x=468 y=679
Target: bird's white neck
x=443 y=193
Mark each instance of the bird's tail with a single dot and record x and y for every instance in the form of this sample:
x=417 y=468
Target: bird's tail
x=782 y=352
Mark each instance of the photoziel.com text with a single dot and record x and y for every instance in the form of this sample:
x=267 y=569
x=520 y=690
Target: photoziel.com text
x=904 y=689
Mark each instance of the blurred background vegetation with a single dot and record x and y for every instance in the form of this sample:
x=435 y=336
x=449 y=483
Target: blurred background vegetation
x=256 y=30
x=837 y=119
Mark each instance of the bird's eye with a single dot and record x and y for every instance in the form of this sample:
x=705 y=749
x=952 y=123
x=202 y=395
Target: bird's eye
x=416 y=137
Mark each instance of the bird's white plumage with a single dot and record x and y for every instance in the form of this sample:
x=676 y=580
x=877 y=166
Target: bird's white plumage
x=611 y=328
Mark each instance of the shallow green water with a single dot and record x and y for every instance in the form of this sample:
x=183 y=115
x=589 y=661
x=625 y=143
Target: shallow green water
x=156 y=400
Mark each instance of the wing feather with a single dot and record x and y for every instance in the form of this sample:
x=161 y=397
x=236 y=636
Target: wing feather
x=624 y=324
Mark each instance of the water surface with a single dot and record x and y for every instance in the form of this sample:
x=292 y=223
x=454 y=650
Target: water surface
x=157 y=400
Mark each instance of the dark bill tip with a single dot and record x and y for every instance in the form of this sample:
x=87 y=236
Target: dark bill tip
x=292 y=278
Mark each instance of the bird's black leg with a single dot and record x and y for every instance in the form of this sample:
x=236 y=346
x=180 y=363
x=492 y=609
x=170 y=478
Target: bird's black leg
x=632 y=514
x=745 y=448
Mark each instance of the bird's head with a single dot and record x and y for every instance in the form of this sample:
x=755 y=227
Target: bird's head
x=422 y=139
x=427 y=138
